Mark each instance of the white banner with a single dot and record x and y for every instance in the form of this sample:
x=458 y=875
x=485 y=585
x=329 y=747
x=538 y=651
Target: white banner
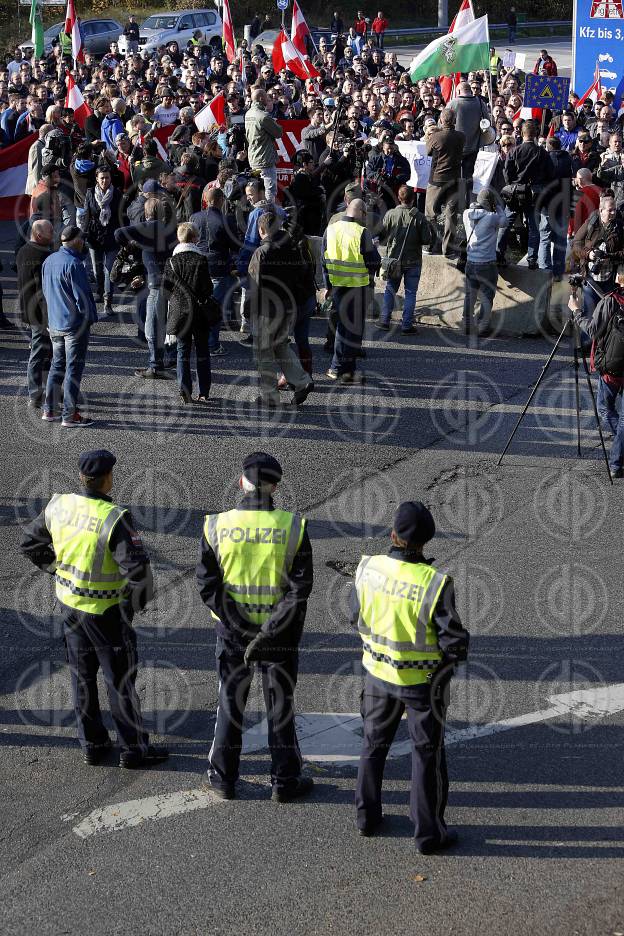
x=484 y=169
x=415 y=152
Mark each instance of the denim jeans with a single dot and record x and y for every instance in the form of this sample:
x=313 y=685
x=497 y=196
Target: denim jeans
x=185 y=343
x=223 y=290
x=102 y=261
x=609 y=416
x=155 y=323
x=411 y=278
x=559 y=243
x=269 y=176
x=350 y=304
x=69 y=352
x=38 y=362
x=538 y=224
x=481 y=279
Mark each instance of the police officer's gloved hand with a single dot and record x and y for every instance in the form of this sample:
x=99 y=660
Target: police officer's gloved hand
x=253 y=651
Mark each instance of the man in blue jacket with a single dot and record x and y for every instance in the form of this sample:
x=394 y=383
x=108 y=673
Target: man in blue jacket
x=71 y=312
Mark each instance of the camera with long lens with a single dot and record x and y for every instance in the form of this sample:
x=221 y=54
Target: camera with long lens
x=576 y=280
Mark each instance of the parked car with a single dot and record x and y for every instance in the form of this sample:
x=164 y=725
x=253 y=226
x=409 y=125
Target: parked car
x=179 y=26
x=266 y=39
x=97 y=35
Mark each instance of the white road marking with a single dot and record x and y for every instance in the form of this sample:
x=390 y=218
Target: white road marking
x=134 y=812
x=335 y=737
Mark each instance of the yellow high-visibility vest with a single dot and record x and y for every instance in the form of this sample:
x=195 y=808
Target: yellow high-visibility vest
x=87 y=575
x=255 y=550
x=343 y=257
x=397 y=601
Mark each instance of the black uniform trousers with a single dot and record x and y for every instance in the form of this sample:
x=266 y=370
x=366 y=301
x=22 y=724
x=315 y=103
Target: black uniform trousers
x=107 y=641
x=381 y=712
x=278 y=687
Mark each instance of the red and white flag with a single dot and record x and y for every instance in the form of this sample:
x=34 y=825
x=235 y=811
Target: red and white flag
x=299 y=30
x=228 y=33
x=594 y=92
x=528 y=113
x=212 y=115
x=286 y=55
x=75 y=100
x=72 y=28
x=449 y=83
x=14 y=203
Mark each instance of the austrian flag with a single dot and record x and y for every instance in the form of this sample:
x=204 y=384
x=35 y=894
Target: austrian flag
x=212 y=115
x=72 y=28
x=75 y=100
x=285 y=55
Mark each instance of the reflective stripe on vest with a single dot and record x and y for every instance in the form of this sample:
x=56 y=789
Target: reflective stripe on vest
x=343 y=257
x=255 y=550
x=87 y=576
x=397 y=600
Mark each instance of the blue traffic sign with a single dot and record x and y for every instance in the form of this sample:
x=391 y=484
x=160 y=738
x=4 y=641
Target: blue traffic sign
x=282 y=4
x=544 y=91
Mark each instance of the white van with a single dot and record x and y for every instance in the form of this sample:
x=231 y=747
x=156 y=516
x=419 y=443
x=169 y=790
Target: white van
x=179 y=26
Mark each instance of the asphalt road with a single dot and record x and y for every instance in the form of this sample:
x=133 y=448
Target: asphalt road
x=535 y=550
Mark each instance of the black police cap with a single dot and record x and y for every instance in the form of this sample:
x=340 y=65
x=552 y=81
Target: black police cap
x=414 y=523
x=96 y=463
x=259 y=466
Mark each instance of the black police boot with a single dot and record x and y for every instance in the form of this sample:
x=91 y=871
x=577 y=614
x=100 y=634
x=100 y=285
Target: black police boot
x=93 y=753
x=303 y=787
x=132 y=760
x=370 y=827
x=432 y=847
x=226 y=791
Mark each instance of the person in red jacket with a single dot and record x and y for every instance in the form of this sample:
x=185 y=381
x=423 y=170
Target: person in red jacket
x=380 y=24
x=545 y=64
x=361 y=25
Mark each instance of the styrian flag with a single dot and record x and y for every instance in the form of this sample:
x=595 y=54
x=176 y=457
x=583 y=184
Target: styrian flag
x=449 y=83
x=466 y=49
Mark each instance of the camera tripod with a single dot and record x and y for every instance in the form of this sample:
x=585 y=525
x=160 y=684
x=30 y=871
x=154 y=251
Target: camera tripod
x=579 y=354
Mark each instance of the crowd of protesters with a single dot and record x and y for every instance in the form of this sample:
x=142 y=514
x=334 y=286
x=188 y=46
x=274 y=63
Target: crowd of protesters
x=195 y=229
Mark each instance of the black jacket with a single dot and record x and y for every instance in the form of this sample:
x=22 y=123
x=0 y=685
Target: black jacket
x=308 y=196
x=187 y=194
x=156 y=240
x=275 y=273
x=126 y=547
x=280 y=635
x=217 y=239
x=529 y=164
x=97 y=235
x=187 y=283
x=93 y=127
x=32 y=303
x=453 y=638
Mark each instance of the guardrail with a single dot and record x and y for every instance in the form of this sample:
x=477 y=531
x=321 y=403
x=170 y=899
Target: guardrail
x=442 y=30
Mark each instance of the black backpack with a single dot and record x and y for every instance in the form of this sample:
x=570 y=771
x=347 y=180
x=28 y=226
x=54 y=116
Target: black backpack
x=609 y=350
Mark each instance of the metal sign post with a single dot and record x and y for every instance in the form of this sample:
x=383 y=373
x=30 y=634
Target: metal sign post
x=283 y=6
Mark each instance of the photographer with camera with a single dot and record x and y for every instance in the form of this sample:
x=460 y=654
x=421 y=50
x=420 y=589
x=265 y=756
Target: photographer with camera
x=598 y=248
x=606 y=328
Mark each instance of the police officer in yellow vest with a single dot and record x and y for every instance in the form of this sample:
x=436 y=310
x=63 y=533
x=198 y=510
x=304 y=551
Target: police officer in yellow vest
x=412 y=640
x=350 y=262
x=103 y=577
x=255 y=575
x=65 y=43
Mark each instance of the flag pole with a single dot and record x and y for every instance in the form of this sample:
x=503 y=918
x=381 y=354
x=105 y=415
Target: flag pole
x=490 y=70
